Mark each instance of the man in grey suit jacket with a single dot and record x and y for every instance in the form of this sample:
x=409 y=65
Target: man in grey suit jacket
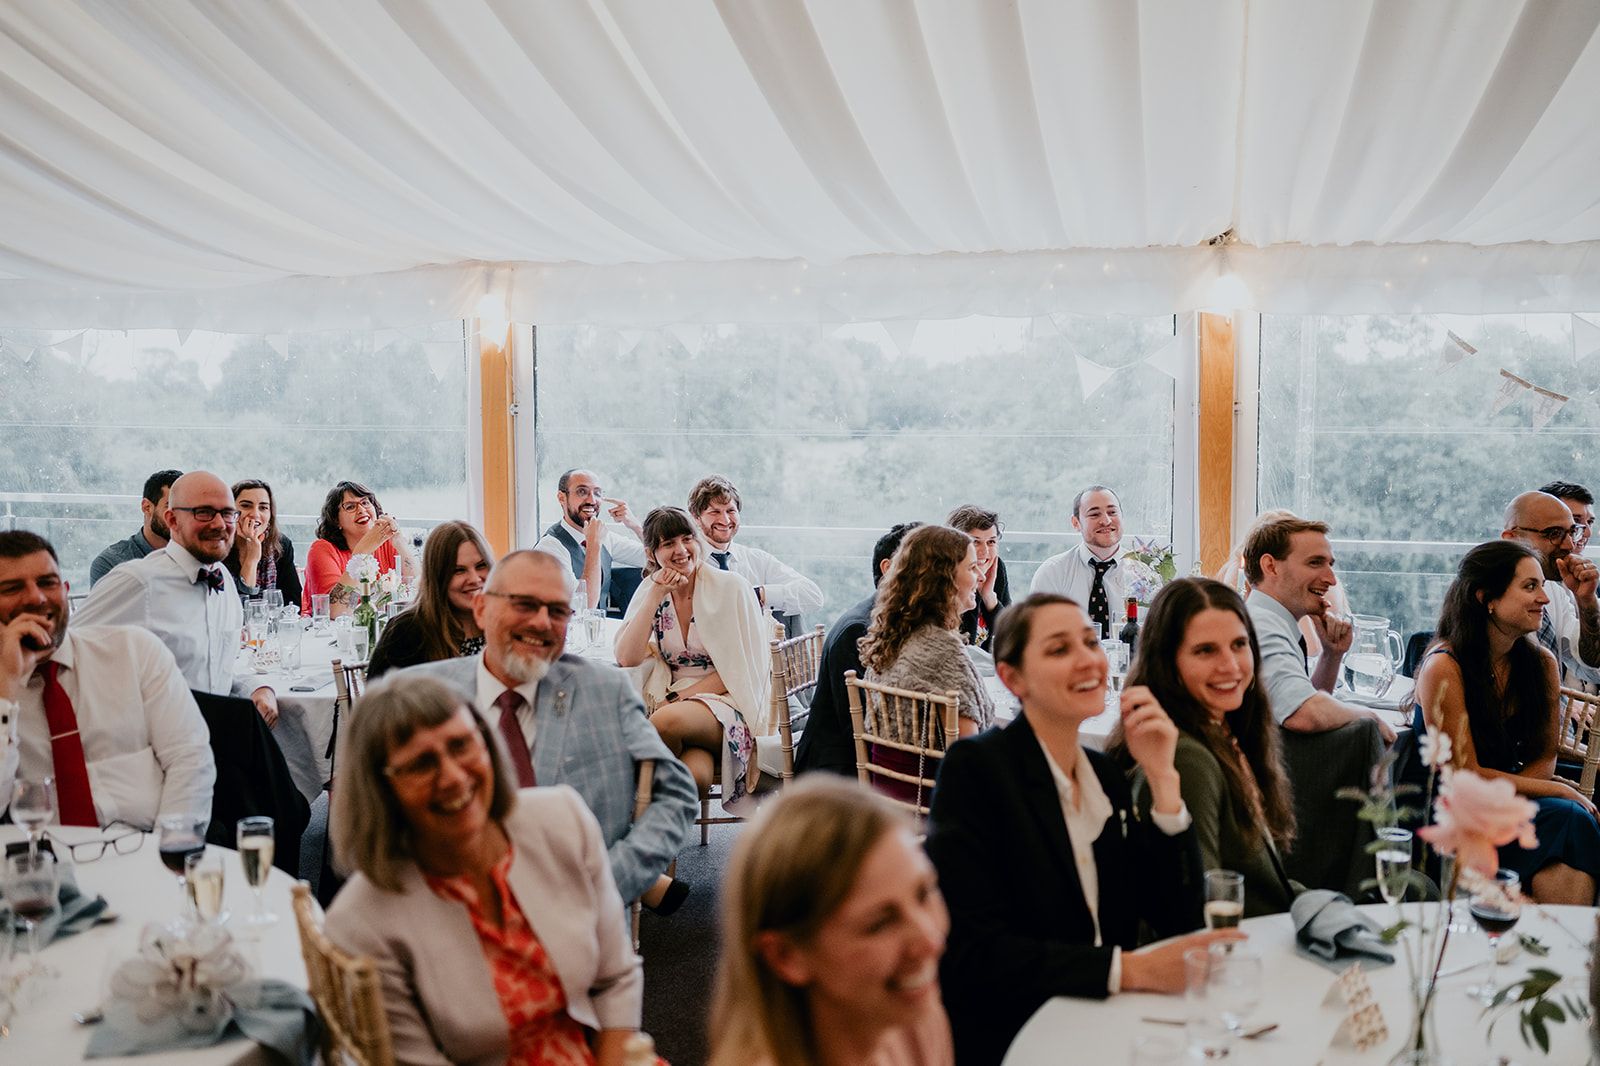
x=578 y=722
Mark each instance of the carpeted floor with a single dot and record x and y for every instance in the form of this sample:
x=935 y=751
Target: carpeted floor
x=680 y=953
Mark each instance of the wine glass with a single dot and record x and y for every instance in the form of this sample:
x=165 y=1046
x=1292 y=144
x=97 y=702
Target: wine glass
x=32 y=883
x=182 y=835
x=1235 y=983
x=203 y=880
x=1496 y=905
x=274 y=601
x=1224 y=899
x=33 y=806
x=1394 y=863
x=1117 y=662
x=257 y=844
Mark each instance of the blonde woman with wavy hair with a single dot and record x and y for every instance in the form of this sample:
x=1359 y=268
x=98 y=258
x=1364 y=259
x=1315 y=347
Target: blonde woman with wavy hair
x=914 y=640
x=832 y=931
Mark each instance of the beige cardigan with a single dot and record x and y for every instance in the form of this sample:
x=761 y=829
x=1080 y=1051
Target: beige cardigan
x=437 y=989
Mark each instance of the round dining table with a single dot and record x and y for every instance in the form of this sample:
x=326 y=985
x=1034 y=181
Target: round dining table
x=1292 y=996
x=139 y=890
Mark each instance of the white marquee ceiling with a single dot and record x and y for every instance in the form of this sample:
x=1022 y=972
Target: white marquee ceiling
x=319 y=162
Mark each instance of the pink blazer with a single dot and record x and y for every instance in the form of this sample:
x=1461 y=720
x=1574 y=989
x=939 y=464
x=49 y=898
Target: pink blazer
x=437 y=988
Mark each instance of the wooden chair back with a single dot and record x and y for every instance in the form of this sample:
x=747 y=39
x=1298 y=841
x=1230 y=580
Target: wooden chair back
x=884 y=718
x=796 y=664
x=346 y=991
x=349 y=682
x=1578 y=738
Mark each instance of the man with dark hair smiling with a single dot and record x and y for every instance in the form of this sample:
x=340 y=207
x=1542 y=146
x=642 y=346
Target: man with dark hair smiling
x=101 y=709
x=828 y=742
x=714 y=505
x=151 y=536
x=580 y=538
x=1090 y=574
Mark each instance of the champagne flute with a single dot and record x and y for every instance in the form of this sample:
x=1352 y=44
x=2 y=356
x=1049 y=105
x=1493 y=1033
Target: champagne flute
x=203 y=880
x=257 y=845
x=1496 y=906
x=1224 y=899
x=1394 y=863
x=182 y=835
x=33 y=805
x=32 y=884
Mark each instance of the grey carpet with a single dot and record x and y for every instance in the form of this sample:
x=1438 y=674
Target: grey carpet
x=680 y=953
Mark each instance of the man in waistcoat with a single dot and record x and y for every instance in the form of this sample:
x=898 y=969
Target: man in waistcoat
x=582 y=538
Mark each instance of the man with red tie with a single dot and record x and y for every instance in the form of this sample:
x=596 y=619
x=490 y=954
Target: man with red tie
x=103 y=710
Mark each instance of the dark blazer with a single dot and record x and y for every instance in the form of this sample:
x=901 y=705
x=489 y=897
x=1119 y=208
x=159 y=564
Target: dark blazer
x=970 y=620
x=288 y=577
x=828 y=742
x=1020 y=931
x=252 y=779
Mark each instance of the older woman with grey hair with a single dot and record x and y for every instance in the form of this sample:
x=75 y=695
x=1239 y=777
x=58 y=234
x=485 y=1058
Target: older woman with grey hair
x=491 y=913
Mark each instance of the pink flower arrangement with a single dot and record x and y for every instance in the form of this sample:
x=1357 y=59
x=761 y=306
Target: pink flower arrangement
x=1476 y=815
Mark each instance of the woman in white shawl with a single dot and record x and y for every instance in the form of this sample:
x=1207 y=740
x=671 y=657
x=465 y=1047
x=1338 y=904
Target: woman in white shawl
x=705 y=640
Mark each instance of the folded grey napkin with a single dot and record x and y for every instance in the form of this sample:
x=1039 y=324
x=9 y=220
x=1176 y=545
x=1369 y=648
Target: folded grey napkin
x=1330 y=930
x=274 y=1014
x=74 y=911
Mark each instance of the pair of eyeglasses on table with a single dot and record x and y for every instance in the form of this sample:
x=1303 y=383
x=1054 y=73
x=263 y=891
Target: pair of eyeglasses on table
x=120 y=837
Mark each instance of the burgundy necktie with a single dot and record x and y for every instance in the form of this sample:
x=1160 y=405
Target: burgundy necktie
x=509 y=702
x=73 y=794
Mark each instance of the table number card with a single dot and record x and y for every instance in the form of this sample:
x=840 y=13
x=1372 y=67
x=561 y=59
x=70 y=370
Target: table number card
x=1363 y=1026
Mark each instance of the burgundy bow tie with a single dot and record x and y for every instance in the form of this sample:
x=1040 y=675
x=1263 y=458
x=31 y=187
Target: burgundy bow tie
x=212 y=576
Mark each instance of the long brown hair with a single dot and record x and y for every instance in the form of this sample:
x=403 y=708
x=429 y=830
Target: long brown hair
x=271 y=542
x=1252 y=725
x=790 y=871
x=919 y=590
x=442 y=631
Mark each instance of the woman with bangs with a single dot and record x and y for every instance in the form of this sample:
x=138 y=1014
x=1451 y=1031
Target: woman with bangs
x=440 y=624
x=702 y=640
x=261 y=557
x=1199 y=658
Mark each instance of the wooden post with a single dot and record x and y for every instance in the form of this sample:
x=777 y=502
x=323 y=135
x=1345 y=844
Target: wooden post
x=499 y=429
x=1215 y=451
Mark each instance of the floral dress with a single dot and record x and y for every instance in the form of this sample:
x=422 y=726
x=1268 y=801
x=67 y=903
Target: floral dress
x=689 y=661
x=528 y=987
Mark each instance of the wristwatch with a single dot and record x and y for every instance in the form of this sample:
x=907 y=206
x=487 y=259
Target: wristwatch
x=671 y=695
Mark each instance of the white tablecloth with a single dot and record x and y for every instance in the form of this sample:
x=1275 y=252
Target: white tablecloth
x=1292 y=995
x=305 y=719
x=140 y=890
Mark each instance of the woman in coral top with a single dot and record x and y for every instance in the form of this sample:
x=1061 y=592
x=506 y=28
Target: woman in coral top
x=352 y=523
x=491 y=913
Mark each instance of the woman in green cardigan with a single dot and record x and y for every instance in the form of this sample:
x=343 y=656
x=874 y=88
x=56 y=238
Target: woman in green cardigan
x=1198 y=655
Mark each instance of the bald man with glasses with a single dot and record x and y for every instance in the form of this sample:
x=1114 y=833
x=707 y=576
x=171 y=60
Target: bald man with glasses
x=1571 y=625
x=183 y=594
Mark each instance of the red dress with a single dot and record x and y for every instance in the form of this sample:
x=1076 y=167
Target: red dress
x=324 y=564
x=531 y=998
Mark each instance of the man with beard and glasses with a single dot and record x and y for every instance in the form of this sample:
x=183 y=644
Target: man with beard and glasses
x=572 y=721
x=103 y=710
x=1571 y=626
x=183 y=594
x=1090 y=574
x=582 y=540
x=152 y=536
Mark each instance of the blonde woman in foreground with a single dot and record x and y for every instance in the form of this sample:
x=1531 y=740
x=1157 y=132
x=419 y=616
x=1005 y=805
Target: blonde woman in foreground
x=831 y=941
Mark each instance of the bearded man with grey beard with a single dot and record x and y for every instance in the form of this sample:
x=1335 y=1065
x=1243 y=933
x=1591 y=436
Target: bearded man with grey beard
x=567 y=720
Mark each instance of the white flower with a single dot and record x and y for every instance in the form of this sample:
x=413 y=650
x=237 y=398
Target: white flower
x=1435 y=750
x=362 y=568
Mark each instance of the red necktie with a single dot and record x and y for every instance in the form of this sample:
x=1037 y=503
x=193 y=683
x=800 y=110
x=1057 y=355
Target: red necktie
x=73 y=794
x=511 y=731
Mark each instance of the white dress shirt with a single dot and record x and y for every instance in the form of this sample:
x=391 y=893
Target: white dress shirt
x=786 y=589
x=1087 y=808
x=625 y=550
x=1069 y=574
x=145 y=743
x=200 y=627
x=1563 y=610
x=489 y=689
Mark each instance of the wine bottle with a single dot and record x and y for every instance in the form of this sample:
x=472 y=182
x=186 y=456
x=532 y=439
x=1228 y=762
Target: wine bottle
x=1130 y=628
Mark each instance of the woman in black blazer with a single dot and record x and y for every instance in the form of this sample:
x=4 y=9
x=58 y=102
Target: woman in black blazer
x=1021 y=929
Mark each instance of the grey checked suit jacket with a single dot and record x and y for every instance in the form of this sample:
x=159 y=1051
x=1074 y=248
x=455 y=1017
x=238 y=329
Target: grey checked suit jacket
x=591 y=733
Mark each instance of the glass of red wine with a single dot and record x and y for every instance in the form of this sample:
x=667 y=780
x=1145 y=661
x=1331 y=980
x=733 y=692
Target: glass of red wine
x=31 y=884
x=182 y=835
x=1496 y=906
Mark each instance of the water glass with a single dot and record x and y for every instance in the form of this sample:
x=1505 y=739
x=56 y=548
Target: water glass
x=1209 y=1036
x=1394 y=863
x=359 y=641
x=580 y=596
x=319 y=612
x=345 y=639
x=273 y=598
x=291 y=631
x=1157 y=1050
x=1235 y=982
x=1117 y=660
x=1224 y=899
x=594 y=624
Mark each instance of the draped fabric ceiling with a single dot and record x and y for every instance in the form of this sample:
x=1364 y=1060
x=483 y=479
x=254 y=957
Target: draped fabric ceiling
x=268 y=164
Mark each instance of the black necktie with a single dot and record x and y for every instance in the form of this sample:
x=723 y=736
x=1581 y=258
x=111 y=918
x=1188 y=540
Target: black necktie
x=1305 y=654
x=721 y=558
x=1099 y=606
x=211 y=577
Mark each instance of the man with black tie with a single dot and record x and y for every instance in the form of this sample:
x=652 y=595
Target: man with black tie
x=582 y=540
x=714 y=505
x=1090 y=573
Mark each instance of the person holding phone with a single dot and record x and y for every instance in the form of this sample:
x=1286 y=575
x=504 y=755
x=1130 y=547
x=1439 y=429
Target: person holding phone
x=352 y=523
